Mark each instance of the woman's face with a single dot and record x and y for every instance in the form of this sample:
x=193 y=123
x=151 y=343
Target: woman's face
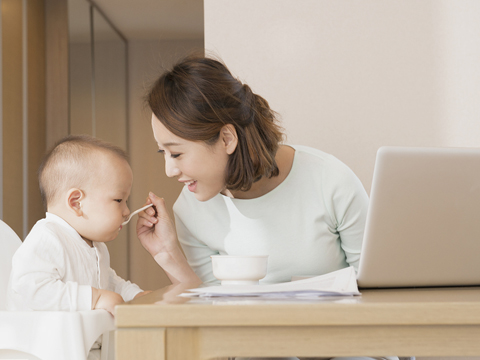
x=199 y=166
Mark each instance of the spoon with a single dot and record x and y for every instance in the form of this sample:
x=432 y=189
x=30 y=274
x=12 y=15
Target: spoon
x=134 y=213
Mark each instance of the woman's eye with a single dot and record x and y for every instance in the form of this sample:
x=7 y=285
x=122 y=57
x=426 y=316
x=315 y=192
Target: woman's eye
x=174 y=156
x=118 y=200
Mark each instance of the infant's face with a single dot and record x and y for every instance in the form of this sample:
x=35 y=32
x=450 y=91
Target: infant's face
x=105 y=204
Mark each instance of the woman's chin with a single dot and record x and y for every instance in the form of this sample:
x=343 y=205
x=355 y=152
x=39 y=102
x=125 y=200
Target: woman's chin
x=204 y=197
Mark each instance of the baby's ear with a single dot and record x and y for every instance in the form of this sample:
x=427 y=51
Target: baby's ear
x=74 y=197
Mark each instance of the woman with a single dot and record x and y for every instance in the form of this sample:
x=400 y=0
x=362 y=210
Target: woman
x=245 y=192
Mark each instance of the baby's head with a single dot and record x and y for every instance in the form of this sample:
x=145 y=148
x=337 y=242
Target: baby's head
x=86 y=182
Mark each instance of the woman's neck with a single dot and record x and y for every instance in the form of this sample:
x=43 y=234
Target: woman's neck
x=284 y=159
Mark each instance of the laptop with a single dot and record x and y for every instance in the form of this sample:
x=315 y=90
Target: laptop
x=423 y=222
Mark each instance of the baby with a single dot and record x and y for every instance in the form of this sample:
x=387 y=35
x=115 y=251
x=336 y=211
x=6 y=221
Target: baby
x=64 y=264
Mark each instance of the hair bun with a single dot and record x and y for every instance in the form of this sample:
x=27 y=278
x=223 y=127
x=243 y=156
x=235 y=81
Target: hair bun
x=248 y=105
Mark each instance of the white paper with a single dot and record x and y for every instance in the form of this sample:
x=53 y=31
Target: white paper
x=337 y=283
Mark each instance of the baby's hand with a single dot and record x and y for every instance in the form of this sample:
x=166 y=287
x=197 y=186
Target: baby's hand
x=142 y=293
x=105 y=299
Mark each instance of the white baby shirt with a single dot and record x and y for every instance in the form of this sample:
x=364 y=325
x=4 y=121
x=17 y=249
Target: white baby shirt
x=55 y=269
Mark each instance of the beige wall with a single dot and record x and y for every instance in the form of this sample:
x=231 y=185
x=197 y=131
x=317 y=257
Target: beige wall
x=350 y=76
x=147 y=59
x=12 y=124
x=36 y=107
x=56 y=47
x=23 y=111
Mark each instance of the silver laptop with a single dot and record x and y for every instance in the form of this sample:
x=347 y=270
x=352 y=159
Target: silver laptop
x=423 y=223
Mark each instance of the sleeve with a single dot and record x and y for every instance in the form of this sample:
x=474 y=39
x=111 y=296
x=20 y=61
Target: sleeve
x=197 y=253
x=348 y=206
x=37 y=269
x=123 y=287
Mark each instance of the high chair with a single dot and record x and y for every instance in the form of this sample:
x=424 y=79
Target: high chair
x=47 y=335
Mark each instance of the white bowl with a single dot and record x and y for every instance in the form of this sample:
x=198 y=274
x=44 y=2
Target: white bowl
x=239 y=270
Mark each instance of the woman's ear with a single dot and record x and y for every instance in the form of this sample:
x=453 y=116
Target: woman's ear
x=74 y=197
x=229 y=137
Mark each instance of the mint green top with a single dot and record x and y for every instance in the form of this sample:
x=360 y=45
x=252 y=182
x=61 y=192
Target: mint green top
x=310 y=224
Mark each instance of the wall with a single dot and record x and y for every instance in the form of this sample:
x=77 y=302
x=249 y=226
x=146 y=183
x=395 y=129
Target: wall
x=147 y=60
x=350 y=76
x=57 y=92
x=22 y=117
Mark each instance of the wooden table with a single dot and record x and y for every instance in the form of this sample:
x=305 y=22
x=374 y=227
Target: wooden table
x=401 y=322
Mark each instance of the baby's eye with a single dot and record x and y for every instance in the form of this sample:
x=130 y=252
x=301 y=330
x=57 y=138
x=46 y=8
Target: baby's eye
x=118 y=200
x=161 y=151
x=175 y=155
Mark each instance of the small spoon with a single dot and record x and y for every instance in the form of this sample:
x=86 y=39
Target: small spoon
x=134 y=213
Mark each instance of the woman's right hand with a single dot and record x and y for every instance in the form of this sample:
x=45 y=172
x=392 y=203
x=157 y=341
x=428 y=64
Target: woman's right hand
x=157 y=234
x=155 y=228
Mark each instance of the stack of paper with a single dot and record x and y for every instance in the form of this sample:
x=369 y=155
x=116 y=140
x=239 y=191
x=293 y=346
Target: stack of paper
x=338 y=283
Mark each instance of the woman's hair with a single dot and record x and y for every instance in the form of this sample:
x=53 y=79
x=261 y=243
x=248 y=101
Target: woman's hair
x=69 y=164
x=199 y=96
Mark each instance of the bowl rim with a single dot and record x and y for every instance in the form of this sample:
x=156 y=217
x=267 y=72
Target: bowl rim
x=238 y=256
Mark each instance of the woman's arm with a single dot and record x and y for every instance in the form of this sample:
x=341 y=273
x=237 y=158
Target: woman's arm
x=157 y=234
x=348 y=205
x=197 y=253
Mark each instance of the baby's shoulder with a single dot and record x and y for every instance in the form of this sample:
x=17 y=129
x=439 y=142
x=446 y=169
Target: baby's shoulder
x=44 y=235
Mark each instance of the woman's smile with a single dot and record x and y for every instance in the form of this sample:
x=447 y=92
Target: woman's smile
x=191 y=184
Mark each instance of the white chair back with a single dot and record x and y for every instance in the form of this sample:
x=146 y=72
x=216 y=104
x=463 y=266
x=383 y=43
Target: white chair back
x=47 y=335
x=9 y=243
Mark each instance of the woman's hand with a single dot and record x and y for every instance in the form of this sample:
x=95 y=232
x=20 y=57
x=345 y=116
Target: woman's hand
x=155 y=228
x=157 y=234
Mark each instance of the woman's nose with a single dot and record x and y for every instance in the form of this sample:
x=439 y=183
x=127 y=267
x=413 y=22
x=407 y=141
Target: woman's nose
x=171 y=169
